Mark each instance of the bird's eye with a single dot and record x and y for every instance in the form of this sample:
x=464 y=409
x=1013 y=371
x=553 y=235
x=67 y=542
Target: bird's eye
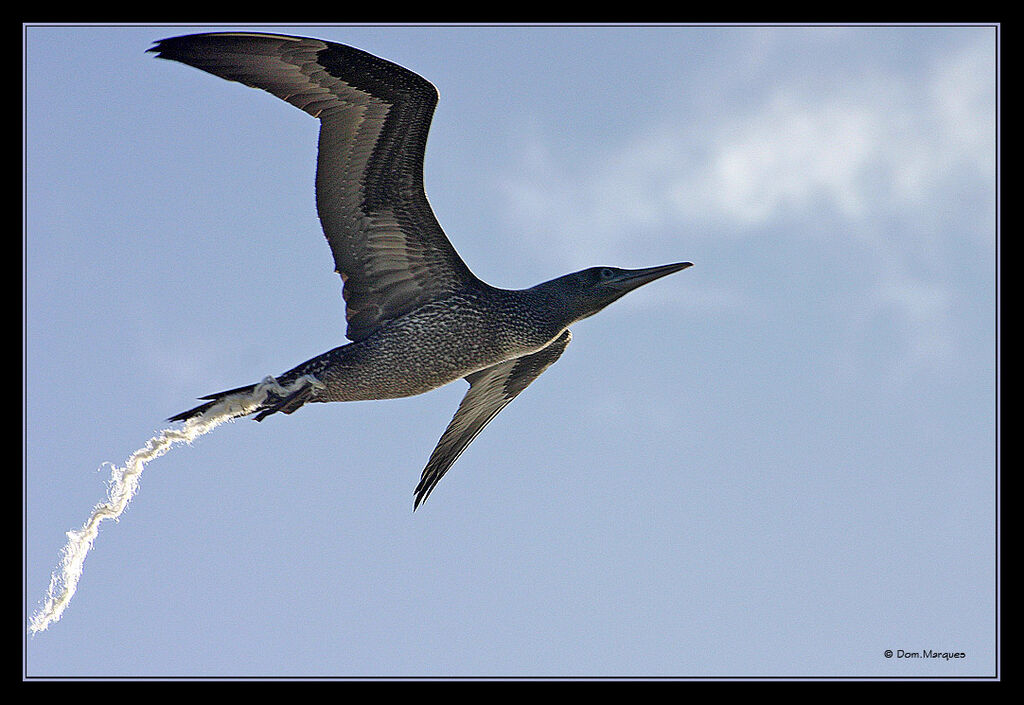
x=606 y=273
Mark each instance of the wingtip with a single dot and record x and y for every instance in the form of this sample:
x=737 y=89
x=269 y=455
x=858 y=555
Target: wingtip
x=421 y=496
x=161 y=50
x=159 y=45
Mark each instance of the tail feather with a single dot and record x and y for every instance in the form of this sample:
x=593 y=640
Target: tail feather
x=202 y=408
x=186 y=415
x=286 y=398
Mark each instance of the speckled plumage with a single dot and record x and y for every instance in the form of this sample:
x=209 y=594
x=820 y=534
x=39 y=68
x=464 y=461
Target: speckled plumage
x=442 y=341
x=417 y=317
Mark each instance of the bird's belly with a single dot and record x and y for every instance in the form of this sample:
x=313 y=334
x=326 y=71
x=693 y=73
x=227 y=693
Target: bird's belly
x=390 y=374
x=417 y=355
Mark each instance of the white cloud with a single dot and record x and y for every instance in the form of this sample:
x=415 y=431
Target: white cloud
x=791 y=156
x=885 y=143
x=889 y=148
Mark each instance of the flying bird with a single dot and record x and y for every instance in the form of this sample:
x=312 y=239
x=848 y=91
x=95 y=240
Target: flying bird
x=417 y=318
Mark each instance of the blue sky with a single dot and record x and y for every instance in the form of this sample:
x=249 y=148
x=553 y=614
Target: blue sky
x=780 y=462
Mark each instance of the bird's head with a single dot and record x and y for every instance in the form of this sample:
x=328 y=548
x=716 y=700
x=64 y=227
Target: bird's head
x=589 y=290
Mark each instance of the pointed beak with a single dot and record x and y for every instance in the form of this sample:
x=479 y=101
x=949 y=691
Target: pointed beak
x=632 y=278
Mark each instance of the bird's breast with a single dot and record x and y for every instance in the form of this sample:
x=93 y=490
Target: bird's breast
x=437 y=343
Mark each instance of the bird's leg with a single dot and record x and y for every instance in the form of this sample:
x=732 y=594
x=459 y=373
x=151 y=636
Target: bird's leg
x=289 y=401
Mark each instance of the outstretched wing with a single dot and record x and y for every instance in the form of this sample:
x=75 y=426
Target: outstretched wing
x=490 y=391
x=374 y=117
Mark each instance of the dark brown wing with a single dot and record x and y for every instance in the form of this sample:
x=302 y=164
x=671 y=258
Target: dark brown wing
x=388 y=247
x=490 y=391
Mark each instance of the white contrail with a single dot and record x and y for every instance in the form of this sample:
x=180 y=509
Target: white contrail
x=125 y=481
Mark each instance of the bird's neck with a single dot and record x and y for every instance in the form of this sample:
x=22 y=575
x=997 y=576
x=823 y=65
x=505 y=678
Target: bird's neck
x=559 y=299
